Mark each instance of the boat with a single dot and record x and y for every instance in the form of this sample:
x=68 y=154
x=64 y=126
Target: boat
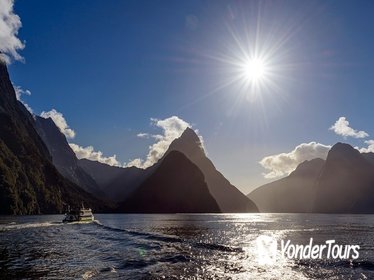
x=82 y=214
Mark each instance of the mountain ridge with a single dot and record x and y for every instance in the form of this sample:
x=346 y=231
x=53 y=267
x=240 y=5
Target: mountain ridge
x=293 y=193
x=63 y=156
x=346 y=184
x=176 y=186
x=228 y=197
x=115 y=182
x=343 y=183
x=29 y=182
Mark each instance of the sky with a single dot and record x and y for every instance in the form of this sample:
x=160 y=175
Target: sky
x=125 y=78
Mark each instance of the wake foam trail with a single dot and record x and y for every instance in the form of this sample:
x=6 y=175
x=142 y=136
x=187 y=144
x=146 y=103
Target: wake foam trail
x=15 y=226
x=173 y=239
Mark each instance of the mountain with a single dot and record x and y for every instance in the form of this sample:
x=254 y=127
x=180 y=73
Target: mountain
x=228 y=197
x=292 y=194
x=346 y=183
x=369 y=157
x=176 y=186
x=119 y=183
x=343 y=183
x=29 y=182
x=109 y=182
x=63 y=156
x=115 y=182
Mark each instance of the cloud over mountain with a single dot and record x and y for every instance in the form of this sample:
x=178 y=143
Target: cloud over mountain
x=19 y=92
x=90 y=153
x=341 y=127
x=369 y=148
x=60 y=122
x=10 y=23
x=172 y=128
x=284 y=163
x=80 y=151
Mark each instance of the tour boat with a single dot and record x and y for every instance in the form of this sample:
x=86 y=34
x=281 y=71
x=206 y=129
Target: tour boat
x=78 y=215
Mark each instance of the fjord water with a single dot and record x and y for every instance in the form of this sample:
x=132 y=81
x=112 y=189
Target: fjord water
x=179 y=246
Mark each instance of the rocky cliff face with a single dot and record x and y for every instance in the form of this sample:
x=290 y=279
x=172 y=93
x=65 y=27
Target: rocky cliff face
x=292 y=194
x=29 y=183
x=115 y=182
x=343 y=183
x=228 y=197
x=346 y=184
x=176 y=186
x=63 y=156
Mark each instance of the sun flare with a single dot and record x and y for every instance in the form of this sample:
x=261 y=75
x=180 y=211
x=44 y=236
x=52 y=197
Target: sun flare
x=255 y=63
x=254 y=70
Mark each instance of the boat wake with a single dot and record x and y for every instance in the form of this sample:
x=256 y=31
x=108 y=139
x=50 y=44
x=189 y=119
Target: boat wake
x=173 y=239
x=15 y=226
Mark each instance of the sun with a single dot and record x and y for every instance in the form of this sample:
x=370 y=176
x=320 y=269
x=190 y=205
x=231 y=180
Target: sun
x=254 y=70
x=255 y=62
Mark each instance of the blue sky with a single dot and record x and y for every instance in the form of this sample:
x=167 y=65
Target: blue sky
x=110 y=66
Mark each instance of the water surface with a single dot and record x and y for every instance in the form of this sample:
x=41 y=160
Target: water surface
x=180 y=246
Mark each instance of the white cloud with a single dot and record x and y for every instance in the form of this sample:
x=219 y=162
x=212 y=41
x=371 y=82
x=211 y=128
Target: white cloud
x=143 y=135
x=10 y=23
x=80 y=151
x=369 y=149
x=89 y=153
x=284 y=163
x=341 y=127
x=60 y=122
x=19 y=92
x=135 y=162
x=172 y=128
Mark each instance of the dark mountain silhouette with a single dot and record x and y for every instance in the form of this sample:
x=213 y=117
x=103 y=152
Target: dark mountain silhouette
x=29 y=182
x=176 y=186
x=115 y=182
x=292 y=194
x=346 y=184
x=109 y=182
x=63 y=156
x=118 y=183
x=228 y=197
x=343 y=183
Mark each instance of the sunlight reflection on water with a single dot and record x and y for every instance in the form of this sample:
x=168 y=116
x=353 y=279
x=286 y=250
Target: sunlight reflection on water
x=178 y=247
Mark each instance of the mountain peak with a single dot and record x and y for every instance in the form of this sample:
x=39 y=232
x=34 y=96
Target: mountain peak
x=48 y=123
x=345 y=184
x=343 y=151
x=341 y=147
x=3 y=69
x=189 y=143
x=40 y=188
x=8 y=96
x=2 y=63
x=178 y=186
x=190 y=135
x=228 y=197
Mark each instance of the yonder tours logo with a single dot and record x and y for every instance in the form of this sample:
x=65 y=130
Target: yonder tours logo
x=269 y=250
